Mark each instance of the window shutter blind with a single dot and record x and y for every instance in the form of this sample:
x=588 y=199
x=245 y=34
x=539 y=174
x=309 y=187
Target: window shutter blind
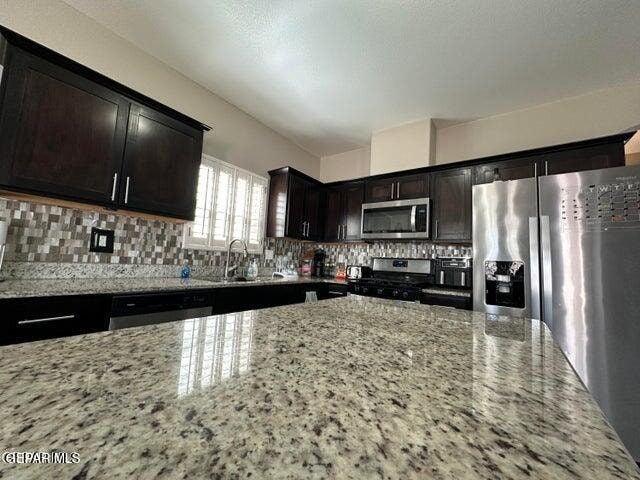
x=257 y=213
x=222 y=206
x=241 y=205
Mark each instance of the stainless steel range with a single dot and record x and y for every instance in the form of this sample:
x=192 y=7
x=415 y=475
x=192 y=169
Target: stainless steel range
x=397 y=278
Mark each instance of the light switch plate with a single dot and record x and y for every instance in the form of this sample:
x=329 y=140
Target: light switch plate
x=101 y=240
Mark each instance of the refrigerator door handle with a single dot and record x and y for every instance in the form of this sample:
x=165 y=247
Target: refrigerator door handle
x=534 y=268
x=547 y=281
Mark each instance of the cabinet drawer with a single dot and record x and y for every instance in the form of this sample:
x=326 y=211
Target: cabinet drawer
x=44 y=318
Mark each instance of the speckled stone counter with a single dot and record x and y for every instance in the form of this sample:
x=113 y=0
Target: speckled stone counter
x=89 y=286
x=348 y=388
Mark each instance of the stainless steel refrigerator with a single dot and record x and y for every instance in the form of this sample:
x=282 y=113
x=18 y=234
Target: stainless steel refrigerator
x=566 y=249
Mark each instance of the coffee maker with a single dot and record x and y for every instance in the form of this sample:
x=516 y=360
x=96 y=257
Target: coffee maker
x=318 y=263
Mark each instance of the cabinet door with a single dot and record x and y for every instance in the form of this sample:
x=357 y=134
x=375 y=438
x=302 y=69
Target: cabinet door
x=452 y=205
x=333 y=215
x=277 y=207
x=60 y=134
x=295 y=207
x=588 y=158
x=412 y=186
x=353 y=195
x=379 y=190
x=507 y=170
x=313 y=204
x=161 y=163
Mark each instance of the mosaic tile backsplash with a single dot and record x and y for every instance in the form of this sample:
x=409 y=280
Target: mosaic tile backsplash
x=47 y=241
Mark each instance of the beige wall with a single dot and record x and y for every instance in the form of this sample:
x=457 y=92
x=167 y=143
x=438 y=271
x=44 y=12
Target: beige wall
x=632 y=158
x=236 y=137
x=402 y=148
x=597 y=114
x=345 y=166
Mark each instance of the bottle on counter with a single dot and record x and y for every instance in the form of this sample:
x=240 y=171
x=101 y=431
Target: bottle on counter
x=185 y=272
x=252 y=269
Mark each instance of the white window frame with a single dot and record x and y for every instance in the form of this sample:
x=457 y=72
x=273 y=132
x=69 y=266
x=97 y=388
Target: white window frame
x=209 y=243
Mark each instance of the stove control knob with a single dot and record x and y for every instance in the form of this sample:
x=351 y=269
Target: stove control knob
x=395 y=293
x=405 y=294
x=356 y=288
x=365 y=289
x=380 y=291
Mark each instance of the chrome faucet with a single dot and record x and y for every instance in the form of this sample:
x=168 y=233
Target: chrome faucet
x=228 y=269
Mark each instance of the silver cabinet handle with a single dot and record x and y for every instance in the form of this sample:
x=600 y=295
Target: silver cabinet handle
x=442 y=277
x=339 y=229
x=393 y=186
x=307 y=232
x=546 y=167
x=436 y=232
x=126 y=191
x=397 y=190
x=48 y=319
x=535 y=170
x=113 y=190
x=344 y=231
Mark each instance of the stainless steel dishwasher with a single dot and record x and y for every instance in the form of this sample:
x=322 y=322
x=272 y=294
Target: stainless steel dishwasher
x=150 y=308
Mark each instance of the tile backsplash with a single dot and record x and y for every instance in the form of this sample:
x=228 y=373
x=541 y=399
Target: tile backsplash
x=46 y=241
x=45 y=234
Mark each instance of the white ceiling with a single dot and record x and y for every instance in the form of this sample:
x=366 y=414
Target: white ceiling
x=326 y=73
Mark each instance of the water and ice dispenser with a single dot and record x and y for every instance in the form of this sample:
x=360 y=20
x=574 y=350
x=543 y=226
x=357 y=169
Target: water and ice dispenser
x=504 y=283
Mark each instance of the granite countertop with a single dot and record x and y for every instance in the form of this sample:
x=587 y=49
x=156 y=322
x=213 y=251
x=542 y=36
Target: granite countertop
x=92 y=286
x=349 y=388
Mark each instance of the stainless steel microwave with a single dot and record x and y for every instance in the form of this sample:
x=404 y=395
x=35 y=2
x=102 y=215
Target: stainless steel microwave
x=396 y=219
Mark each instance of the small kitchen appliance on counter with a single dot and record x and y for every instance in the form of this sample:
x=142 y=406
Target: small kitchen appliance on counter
x=454 y=272
x=398 y=278
x=319 y=257
x=358 y=271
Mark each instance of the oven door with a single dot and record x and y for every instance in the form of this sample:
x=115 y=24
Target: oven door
x=397 y=219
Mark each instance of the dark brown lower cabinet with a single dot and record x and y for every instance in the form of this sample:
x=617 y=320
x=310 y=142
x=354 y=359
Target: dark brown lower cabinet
x=30 y=319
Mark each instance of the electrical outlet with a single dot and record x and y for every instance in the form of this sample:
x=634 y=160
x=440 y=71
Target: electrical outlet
x=101 y=240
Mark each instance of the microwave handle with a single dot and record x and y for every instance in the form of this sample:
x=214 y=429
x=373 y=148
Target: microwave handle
x=413 y=218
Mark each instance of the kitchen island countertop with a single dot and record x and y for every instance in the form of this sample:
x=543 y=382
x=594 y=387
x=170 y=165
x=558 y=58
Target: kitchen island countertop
x=17 y=288
x=348 y=388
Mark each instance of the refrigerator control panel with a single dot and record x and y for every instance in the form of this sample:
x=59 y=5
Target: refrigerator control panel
x=601 y=207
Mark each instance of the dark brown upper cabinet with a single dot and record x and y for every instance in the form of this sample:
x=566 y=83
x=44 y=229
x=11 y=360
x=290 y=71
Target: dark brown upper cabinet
x=451 y=195
x=514 y=169
x=60 y=133
x=397 y=188
x=588 y=158
x=344 y=212
x=69 y=132
x=161 y=164
x=295 y=205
